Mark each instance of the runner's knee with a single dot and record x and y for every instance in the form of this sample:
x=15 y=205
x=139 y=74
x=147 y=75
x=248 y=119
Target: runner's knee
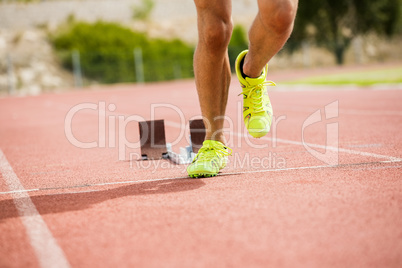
x=214 y=28
x=217 y=35
x=278 y=15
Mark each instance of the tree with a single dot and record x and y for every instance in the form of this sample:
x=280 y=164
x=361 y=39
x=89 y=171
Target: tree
x=334 y=23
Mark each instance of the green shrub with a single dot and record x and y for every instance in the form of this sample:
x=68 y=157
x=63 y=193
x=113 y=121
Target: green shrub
x=237 y=44
x=107 y=53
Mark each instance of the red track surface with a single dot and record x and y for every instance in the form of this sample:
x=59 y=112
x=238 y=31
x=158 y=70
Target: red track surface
x=278 y=206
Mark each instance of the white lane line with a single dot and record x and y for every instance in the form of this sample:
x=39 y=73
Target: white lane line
x=331 y=148
x=374 y=168
x=371 y=113
x=93 y=185
x=47 y=250
x=284 y=108
x=314 y=167
x=220 y=174
x=277 y=170
x=325 y=147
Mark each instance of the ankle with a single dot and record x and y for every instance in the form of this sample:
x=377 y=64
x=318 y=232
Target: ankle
x=219 y=138
x=246 y=69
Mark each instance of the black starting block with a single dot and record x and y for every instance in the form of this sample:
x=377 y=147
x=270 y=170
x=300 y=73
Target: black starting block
x=197 y=134
x=153 y=139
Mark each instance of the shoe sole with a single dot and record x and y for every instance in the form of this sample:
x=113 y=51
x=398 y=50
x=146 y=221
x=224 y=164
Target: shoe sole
x=202 y=175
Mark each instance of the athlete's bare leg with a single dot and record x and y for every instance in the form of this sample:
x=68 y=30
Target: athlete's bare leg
x=211 y=63
x=268 y=33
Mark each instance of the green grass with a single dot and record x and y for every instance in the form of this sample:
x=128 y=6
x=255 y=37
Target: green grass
x=366 y=78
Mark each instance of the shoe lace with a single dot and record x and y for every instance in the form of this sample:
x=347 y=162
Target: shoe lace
x=255 y=93
x=210 y=151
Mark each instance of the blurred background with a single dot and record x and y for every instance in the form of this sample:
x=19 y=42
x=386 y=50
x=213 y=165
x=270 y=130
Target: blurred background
x=59 y=45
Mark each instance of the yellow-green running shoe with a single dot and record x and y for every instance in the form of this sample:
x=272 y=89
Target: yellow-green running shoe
x=211 y=158
x=257 y=108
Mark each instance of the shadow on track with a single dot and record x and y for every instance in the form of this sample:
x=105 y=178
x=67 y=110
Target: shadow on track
x=64 y=202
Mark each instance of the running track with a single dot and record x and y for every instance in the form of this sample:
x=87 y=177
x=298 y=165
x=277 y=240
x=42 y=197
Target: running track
x=277 y=204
